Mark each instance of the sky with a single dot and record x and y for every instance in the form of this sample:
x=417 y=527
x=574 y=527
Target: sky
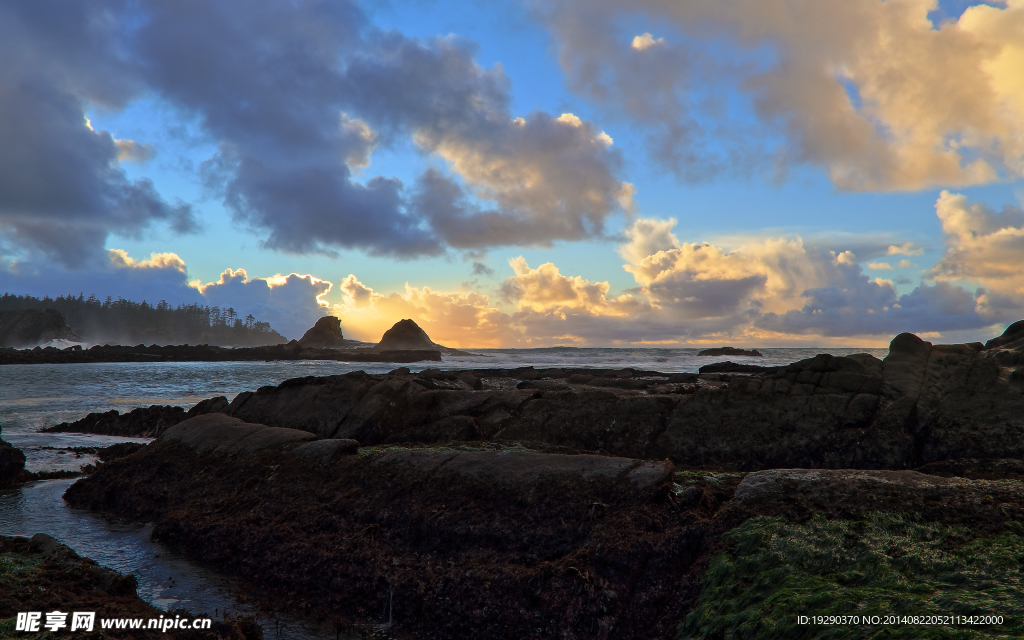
x=517 y=173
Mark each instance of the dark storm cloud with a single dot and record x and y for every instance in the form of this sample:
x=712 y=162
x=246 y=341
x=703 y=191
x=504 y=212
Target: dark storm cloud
x=549 y=177
x=61 y=192
x=291 y=93
x=863 y=307
x=265 y=79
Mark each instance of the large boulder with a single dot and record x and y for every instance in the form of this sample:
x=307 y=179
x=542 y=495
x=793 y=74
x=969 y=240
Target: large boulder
x=12 y=465
x=144 y=422
x=31 y=327
x=221 y=434
x=852 y=493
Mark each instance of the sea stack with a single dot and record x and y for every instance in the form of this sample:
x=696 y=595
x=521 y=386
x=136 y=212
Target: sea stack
x=406 y=335
x=325 y=334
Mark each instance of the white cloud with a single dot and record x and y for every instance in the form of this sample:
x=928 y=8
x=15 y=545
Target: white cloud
x=291 y=303
x=646 y=41
x=981 y=245
x=871 y=91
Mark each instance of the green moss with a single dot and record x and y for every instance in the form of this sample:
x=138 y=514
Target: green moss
x=687 y=478
x=886 y=565
x=14 y=567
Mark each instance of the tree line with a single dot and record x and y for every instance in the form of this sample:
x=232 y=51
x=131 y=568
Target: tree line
x=125 y=322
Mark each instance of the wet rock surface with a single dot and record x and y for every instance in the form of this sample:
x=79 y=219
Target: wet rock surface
x=573 y=503
x=924 y=403
x=144 y=422
x=12 y=465
x=449 y=542
x=41 y=574
x=850 y=493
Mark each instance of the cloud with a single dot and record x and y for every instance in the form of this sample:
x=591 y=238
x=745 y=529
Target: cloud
x=481 y=269
x=880 y=266
x=862 y=307
x=767 y=291
x=160 y=277
x=905 y=249
x=62 y=192
x=133 y=151
x=981 y=245
x=291 y=304
x=455 y=319
x=548 y=178
x=870 y=91
x=646 y=41
x=296 y=97
x=285 y=162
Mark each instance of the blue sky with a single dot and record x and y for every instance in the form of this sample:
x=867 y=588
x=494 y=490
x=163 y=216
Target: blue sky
x=836 y=173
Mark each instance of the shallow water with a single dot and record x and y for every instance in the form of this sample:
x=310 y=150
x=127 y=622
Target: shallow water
x=166 y=579
x=37 y=396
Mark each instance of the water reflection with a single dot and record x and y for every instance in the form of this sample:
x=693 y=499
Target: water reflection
x=165 y=578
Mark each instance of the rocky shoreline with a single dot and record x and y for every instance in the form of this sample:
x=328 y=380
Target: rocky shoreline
x=41 y=574
x=206 y=353
x=601 y=504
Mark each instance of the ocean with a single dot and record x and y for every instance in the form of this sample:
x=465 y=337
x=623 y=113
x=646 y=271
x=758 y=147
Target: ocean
x=36 y=396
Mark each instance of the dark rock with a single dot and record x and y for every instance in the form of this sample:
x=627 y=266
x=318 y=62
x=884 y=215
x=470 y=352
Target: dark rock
x=617 y=373
x=471 y=381
x=731 y=351
x=12 y=465
x=119 y=450
x=733 y=367
x=218 y=404
x=144 y=422
x=43 y=543
x=924 y=403
x=326 y=334
x=975 y=469
x=619 y=383
x=406 y=335
x=526 y=373
x=324 y=452
x=204 y=353
x=519 y=536
x=31 y=327
x=547 y=385
x=849 y=493
x=1009 y=338
x=220 y=434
